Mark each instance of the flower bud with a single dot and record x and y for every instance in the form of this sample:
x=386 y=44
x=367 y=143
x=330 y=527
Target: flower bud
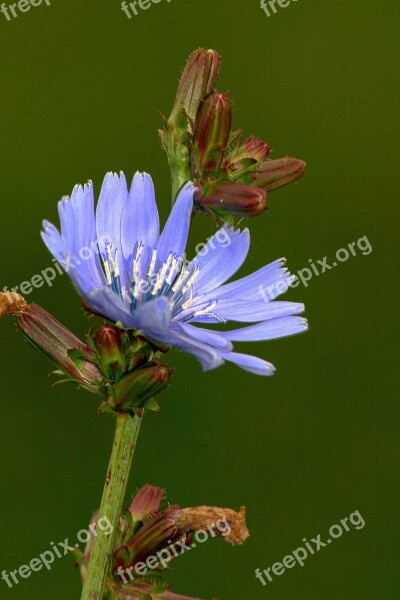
x=233 y=199
x=252 y=152
x=60 y=346
x=273 y=174
x=198 y=80
x=146 y=502
x=137 y=389
x=108 y=341
x=212 y=133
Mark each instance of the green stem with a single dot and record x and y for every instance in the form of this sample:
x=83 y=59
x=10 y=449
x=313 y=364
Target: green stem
x=176 y=144
x=126 y=434
x=180 y=174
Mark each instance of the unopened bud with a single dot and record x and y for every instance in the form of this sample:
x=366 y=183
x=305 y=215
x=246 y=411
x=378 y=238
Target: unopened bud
x=213 y=127
x=233 y=199
x=198 y=80
x=136 y=389
x=253 y=152
x=146 y=502
x=59 y=345
x=109 y=346
x=273 y=174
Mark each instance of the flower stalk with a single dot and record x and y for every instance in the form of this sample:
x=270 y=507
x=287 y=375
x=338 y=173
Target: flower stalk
x=126 y=435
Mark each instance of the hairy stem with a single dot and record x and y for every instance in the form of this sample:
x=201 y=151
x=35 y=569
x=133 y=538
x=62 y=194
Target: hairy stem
x=126 y=434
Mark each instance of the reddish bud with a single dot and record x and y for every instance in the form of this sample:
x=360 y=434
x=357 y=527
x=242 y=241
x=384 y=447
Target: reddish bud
x=251 y=153
x=273 y=174
x=146 y=502
x=213 y=127
x=233 y=199
x=59 y=345
x=198 y=80
x=109 y=346
x=136 y=389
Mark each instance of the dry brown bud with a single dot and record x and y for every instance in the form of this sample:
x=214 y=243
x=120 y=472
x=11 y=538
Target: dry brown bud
x=12 y=303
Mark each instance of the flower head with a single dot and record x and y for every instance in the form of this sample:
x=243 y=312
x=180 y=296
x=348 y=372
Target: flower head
x=138 y=278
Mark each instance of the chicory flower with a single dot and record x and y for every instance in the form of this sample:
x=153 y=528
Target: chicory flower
x=139 y=279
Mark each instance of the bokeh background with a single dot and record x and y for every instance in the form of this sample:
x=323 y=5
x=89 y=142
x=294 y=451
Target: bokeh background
x=80 y=86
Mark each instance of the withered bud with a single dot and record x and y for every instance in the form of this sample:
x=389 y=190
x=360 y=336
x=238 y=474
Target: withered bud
x=12 y=303
x=232 y=199
x=197 y=81
x=166 y=528
x=273 y=174
x=213 y=127
x=188 y=520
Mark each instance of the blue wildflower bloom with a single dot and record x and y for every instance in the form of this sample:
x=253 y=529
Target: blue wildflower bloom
x=138 y=278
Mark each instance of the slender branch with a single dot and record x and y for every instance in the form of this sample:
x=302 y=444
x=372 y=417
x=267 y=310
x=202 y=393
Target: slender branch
x=126 y=434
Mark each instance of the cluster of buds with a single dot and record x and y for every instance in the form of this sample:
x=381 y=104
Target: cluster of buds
x=233 y=175
x=119 y=366
x=149 y=538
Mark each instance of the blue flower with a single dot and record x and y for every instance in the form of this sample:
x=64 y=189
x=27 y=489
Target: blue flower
x=138 y=278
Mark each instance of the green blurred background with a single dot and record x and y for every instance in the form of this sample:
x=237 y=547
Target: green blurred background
x=80 y=85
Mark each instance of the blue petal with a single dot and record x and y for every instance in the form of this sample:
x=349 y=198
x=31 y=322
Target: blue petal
x=174 y=236
x=111 y=306
x=112 y=200
x=58 y=249
x=247 y=312
x=206 y=336
x=252 y=364
x=268 y=330
x=140 y=222
x=221 y=257
x=265 y=284
x=68 y=224
x=90 y=271
x=207 y=355
x=76 y=249
x=53 y=240
x=154 y=317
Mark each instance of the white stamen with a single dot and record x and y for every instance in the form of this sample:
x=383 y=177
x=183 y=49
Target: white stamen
x=112 y=262
x=184 y=275
x=108 y=273
x=171 y=274
x=152 y=263
x=191 y=280
x=136 y=262
x=205 y=311
x=161 y=276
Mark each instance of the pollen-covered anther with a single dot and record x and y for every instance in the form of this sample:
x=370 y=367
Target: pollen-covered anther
x=12 y=303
